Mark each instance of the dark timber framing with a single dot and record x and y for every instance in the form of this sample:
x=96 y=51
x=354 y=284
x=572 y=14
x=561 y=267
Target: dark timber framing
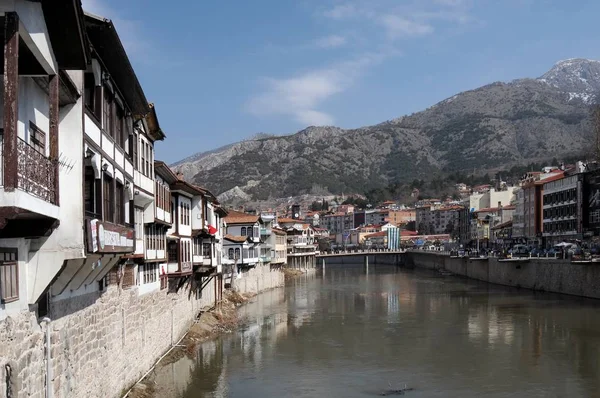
x=54 y=150
x=11 y=99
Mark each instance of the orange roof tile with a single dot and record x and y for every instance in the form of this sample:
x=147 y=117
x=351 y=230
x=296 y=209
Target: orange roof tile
x=237 y=217
x=237 y=239
x=287 y=220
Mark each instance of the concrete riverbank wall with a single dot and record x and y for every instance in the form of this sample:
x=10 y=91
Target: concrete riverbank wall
x=102 y=343
x=557 y=276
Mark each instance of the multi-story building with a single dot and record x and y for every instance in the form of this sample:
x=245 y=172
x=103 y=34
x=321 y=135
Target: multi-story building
x=45 y=53
x=401 y=217
x=241 y=244
x=267 y=238
x=563 y=208
x=438 y=219
x=518 y=222
x=300 y=243
x=279 y=256
x=485 y=219
x=181 y=235
x=486 y=197
x=338 y=222
x=156 y=253
x=591 y=205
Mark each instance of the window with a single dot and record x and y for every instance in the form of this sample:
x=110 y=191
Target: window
x=139 y=223
x=37 y=138
x=133 y=149
x=118 y=125
x=107 y=115
x=91 y=193
x=148 y=273
x=9 y=275
x=249 y=234
x=185 y=213
x=109 y=199
x=197 y=246
x=173 y=252
x=237 y=253
x=143 y=158
x=148 y=156
x=120 y=204
x=93 y=96
x=206 y=250
x=243 y=231
x=231 y=254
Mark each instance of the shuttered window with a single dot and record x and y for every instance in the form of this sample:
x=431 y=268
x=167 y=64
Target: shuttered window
x=9 y=275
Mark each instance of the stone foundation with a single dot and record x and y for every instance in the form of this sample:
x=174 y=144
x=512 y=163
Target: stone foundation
x=101 y=343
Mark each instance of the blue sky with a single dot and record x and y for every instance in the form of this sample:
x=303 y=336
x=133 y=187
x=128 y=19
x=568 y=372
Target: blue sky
x=223 y=71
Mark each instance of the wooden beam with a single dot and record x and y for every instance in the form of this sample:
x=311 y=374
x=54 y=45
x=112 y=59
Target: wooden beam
x=11 y=100
x=54 y=148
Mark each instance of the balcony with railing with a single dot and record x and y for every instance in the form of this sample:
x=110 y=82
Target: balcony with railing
x=28 y=191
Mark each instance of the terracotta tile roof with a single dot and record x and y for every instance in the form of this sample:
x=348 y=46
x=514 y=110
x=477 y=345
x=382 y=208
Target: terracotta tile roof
x=237 y=239
x=405 y=232
x=278 y=231
x=376 y=235
x=237 y=217
x=287 y=220
x=553 y=178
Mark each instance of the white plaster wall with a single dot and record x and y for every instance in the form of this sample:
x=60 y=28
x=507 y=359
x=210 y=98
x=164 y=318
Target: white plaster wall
x=108 y=146
x=92 y=130
x=197 y=212
x=32 y=17
x=14 y=308
x=67 y=241
x=33 y=106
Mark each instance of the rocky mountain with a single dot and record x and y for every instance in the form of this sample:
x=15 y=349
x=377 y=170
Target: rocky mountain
x=495 y=126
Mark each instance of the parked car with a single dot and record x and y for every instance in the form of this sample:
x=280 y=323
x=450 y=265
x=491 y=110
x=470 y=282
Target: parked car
x=519 y=251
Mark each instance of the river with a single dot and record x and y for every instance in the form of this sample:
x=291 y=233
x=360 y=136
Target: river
x=349 y=333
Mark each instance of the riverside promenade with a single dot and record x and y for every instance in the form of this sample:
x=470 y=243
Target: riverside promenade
x=541 y=274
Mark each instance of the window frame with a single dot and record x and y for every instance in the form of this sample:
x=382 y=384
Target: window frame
x=9 y=262
x=108 y=198
x=37 y=138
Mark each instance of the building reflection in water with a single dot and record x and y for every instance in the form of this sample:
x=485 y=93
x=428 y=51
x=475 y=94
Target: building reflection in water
x=418 y=325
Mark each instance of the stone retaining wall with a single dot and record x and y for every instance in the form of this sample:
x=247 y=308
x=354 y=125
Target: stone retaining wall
x=557 y=276
x=102 y=343
x=262 y=277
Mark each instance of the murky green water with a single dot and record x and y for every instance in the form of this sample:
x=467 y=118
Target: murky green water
x=352 y=334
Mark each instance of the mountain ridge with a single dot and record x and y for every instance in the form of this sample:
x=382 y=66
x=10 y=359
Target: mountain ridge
x=495 y=125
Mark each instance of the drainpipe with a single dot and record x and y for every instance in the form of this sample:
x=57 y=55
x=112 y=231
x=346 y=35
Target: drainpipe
x=49 y=376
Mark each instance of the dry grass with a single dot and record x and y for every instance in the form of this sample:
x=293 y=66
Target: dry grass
x=290 y=273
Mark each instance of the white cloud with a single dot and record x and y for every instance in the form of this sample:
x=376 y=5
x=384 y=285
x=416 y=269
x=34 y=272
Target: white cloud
x=300 y=97
x=399 y=27
x=341 y=11
x=331 y=41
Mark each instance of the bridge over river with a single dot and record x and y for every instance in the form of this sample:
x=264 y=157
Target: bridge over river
x=366 y=257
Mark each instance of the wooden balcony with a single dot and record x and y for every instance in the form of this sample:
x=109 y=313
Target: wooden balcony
x=29 y=208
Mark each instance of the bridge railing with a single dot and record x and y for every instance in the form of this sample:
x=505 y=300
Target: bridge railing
x=359 y=251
